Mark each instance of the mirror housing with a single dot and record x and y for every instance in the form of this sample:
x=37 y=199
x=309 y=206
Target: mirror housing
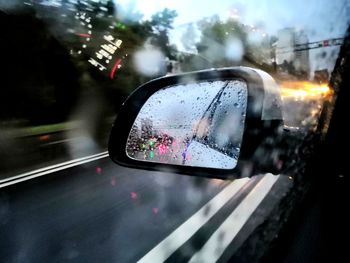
x=263 y=124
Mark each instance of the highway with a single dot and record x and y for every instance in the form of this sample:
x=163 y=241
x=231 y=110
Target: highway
x=92 y=210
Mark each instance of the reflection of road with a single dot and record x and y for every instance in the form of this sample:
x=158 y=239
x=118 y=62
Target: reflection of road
x=101 y=212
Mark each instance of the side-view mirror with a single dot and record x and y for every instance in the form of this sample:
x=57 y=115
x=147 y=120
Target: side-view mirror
x=207 y=123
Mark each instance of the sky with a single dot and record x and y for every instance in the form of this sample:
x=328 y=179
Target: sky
x=322 y=18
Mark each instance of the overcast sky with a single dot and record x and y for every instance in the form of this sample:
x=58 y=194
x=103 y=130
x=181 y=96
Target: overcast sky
x=322 y=18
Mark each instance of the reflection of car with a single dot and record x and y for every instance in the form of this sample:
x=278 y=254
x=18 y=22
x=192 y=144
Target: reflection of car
x=164 y=139
x=150 y=146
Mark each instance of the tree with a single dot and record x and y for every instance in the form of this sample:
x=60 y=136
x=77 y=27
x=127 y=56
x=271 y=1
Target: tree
x=161 y=23
x=218 y=46
x=189 y=38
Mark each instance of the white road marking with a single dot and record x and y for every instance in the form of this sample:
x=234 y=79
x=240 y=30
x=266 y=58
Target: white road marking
x=184 y=232
x=59 y=168
x=51 y=167
x=223 y=236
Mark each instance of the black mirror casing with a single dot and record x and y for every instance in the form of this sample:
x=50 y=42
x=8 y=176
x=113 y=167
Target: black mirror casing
x=255 y=132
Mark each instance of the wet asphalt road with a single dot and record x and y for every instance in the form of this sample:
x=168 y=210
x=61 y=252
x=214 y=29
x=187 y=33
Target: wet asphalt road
x=101 y=212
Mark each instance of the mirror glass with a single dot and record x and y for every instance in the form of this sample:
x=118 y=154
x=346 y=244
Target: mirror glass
x=196 y=124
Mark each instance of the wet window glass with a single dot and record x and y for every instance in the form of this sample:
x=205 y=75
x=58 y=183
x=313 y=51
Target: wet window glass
x=68 y=66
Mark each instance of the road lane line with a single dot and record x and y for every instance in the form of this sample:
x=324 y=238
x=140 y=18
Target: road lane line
x=191 y=246
x=51 y=171
x=223 y=236
x=185 y=231
x=51 y=167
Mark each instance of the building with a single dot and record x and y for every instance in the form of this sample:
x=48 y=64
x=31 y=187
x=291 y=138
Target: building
x=285 y=46
x=302 y=61
x=295 y=62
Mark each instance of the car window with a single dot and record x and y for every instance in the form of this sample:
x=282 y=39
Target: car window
x=69 y=65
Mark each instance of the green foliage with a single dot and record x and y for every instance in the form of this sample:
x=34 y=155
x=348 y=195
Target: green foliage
x=161 y=23
x=219 y=31
x=134 y=34
x=215 y=34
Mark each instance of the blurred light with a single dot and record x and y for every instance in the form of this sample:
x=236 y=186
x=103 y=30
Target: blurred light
x=155 y=210
x=45 y=137
x=84 y=35
x=120 y=26
x=162 y=149
x=304 y=90
x=116 y=65
x=98 y=170
x=113 y=182
x=133 y=195
x=149 y=61
x=234 y=49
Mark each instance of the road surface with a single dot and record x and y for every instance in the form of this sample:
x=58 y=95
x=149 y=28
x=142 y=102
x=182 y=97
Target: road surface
x=92 y=210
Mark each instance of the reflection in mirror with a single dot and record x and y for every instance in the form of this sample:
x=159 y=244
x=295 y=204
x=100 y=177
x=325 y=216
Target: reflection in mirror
x=197 y=124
